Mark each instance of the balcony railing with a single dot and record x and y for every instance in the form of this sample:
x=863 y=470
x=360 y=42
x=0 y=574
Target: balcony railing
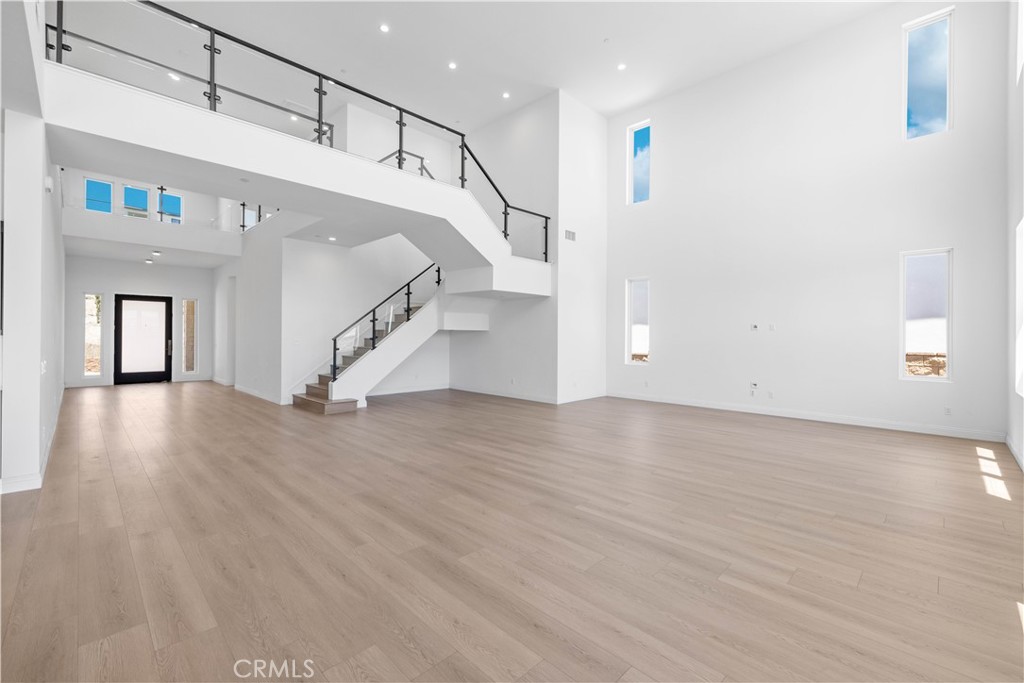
x=161 y=50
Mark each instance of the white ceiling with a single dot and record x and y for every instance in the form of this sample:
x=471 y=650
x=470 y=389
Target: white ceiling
x=526 y=49
x=123 y=251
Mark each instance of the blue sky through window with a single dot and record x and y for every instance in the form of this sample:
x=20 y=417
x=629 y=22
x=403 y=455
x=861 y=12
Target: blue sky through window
x=170 y=204
x=641 y=164
x=136 y=198
x=98 y=195
x=928 y=78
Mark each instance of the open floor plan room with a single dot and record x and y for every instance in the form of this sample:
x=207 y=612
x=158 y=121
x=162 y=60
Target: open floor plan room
x=511 y=341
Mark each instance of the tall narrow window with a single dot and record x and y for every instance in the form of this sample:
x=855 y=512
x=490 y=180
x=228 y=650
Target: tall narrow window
x=639 y=139
x=927 y=74
x=136 y=202
x=98 y=195
x=188 y=332
x=926 y=314
x=170 y=208
x=638 y=333
x=93 y=334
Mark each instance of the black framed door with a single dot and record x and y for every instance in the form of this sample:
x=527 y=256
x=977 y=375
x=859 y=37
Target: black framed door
x=142 y=338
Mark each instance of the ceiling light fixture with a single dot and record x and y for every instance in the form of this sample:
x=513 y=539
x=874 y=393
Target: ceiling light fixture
x=332 y=239
x=156 y=253
x=149 y=261
x=505 y=95
x=384 y=28
x=622 y=67
x=453 y=66
x=174 y=77
x=294 y=117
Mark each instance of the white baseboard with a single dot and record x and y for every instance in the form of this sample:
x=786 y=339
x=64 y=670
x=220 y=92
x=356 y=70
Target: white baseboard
x=25 y=482
x=223 y=382
x=938 y=430
x=407 y=389
x=536 y=398
x=258 y=394
x=1017 y=455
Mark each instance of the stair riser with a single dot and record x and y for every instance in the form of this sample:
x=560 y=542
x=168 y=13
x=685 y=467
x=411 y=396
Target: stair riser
x=317 y=390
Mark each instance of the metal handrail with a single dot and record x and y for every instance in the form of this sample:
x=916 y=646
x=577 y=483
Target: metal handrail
x=372 y=314
x=322 y=78
x=186 y=74
x=423 y=160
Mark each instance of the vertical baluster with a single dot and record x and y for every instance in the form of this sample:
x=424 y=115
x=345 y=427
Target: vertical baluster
x=462 y=153
x=243 y=217
x=334 y=360
x=408 y=301
x=401 y=138
x=212 y=47
x=545 y=239
x=505 y=213
x=320 y=111
x=439 y=276
x=373 y=330
x=60 y=32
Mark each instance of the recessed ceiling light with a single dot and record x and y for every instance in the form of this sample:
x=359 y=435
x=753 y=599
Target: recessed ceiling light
x=294 y=117
x=622 y=67
x=194 y=25
x=505 y=95
x=174 y=77
x=453 y=66
x=384 y=28
x=332 y=239
x=149 y=260
x=156 y=253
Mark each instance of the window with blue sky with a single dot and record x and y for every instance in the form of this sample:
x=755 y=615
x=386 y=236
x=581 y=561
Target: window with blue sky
x=928 y=78
x=136 y=200
x=640 y=163
x=170 y=206
x=98 y=195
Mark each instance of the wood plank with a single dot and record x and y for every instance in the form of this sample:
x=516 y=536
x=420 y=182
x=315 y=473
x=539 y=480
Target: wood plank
x=175 y=605
x=109 y=600
x=123 y=656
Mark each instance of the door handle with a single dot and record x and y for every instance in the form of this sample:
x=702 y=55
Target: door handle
x=169 y=347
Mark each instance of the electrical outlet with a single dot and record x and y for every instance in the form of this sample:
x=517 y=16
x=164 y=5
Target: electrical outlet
x=948 y=410
x=771 y=327
x=513 y=380
x=570 y=235
x=753 y=327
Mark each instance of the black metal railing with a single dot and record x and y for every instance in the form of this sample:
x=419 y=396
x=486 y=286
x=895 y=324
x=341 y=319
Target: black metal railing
x=381 y=314
x=215 y=42
x=400 y=156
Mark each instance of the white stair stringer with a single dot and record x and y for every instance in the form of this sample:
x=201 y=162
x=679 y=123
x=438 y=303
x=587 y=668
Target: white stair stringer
x=371 y=368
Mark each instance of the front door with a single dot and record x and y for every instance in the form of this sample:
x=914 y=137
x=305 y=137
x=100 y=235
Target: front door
x=142 y=339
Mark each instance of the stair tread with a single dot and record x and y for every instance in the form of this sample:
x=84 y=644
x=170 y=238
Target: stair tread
x=325 y=401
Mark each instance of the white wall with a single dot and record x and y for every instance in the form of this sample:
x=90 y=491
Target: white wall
x=32 y=385
x=1015 y=215
x=108 y=277
x=325 y=288
x=425 y=370
x=518 y=356
x=782 y=193
x=582 y=264
x=197 y=209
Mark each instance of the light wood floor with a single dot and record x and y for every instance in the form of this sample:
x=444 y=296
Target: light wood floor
x=452 y=536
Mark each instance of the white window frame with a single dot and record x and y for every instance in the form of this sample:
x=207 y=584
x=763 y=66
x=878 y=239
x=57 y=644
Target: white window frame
x=902 y=366
x=905 y=85
x=103 y=337
x=629 y=161
x=85 y=194
x=629 y=321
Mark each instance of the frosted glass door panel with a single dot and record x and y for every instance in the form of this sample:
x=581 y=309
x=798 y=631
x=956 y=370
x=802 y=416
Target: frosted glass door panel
x=143 y=336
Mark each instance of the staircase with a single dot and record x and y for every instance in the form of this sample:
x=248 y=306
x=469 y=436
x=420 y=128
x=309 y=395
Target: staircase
x=355 y=346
